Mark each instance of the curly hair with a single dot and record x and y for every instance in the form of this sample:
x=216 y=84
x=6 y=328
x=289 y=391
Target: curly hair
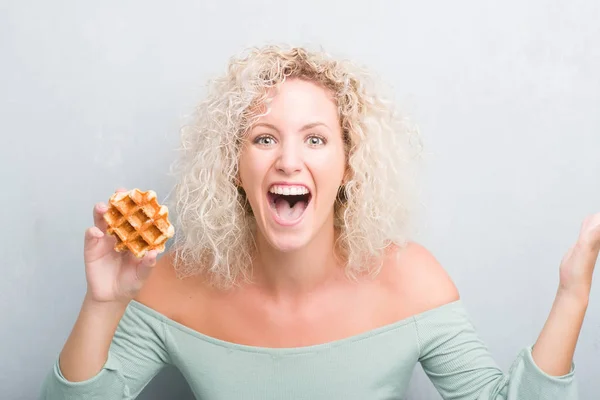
x=216 y=229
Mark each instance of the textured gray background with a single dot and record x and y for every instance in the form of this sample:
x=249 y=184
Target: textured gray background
x=507 y=96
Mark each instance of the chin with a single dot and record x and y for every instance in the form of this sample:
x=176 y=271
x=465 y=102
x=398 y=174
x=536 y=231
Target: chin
x=287 y=242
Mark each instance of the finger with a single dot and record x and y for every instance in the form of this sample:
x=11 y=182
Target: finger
x=97 y=244
x=146 y=265
x=91 y=237
x=93 y=233
x=121 y=189
x=130 y=258
x=150 y=258
x=99 y=210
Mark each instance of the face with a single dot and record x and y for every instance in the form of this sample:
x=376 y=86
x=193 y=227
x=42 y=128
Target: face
x=292 y=164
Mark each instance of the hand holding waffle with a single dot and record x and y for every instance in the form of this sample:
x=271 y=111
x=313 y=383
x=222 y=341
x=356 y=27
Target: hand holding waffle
x=121 y=248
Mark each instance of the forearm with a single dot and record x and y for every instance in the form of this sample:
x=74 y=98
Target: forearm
x=553 y=351
x=86 y=350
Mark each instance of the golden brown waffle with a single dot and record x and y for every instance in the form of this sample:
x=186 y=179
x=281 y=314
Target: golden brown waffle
x=138 y=222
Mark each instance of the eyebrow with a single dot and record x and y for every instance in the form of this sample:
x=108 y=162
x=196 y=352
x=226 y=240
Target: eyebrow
x=304 y=128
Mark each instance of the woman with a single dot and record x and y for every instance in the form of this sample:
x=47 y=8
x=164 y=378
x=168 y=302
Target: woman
x=292 y=275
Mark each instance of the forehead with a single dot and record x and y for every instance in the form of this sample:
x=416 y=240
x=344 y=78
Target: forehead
x=297 y=101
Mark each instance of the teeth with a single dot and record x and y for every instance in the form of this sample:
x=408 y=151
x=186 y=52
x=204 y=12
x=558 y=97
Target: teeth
x=288 y=190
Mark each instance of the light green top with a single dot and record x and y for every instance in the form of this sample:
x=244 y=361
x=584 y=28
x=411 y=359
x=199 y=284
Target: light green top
x=377 y=364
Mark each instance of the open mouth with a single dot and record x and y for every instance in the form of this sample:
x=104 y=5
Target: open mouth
x=289 y=203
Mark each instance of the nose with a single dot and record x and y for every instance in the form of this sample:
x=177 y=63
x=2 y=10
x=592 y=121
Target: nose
x=289 y=160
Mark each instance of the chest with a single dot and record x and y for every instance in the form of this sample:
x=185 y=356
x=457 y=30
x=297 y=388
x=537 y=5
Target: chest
x=250 y=319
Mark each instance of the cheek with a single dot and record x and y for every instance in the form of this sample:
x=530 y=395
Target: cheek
x=336 y=163
x=252 y=169
x=328 y=171
x=244 y=170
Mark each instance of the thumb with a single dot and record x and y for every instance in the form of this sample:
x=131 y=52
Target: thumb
x=91 y=238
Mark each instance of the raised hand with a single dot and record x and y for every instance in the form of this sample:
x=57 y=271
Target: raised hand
x=112 y=276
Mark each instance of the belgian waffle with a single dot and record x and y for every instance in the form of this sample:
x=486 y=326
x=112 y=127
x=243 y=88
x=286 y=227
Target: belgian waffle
x=138 y=222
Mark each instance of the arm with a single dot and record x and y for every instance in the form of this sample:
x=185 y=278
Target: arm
x=461 y=367
x=114 y=349
x=555 y=347
x=86 y=349
x=137 y=352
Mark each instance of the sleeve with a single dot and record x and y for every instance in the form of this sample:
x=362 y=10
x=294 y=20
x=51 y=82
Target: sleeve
x=461 y=368
x=137 y=353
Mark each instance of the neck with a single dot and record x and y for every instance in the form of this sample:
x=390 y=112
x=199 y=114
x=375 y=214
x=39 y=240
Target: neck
x=291 y=275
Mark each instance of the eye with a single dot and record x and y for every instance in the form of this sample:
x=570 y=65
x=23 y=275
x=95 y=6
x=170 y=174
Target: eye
x=264 y=140
x=316 y=140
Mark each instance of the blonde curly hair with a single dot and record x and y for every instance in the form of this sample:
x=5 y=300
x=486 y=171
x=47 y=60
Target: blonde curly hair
x=216 y=228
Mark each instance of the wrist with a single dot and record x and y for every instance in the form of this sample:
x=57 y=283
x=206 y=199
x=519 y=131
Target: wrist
x=89 y=303
x=573 y=298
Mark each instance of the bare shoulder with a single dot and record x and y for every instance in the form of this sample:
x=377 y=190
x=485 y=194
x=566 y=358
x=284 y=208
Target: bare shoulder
x=418 y=277
x=164 y=291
